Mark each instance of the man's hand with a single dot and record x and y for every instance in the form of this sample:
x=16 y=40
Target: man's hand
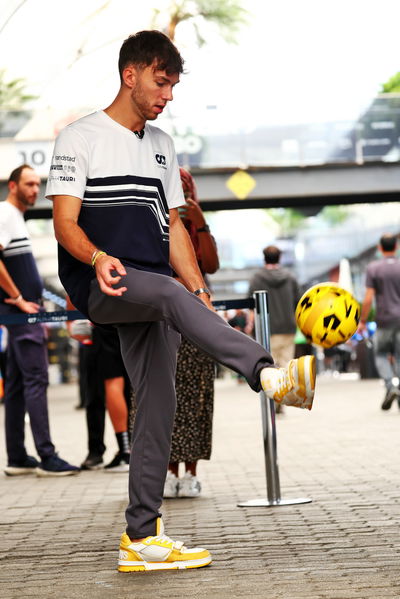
x=206 y=299
x=23 y=305
x=106 y=267
x=81 y=330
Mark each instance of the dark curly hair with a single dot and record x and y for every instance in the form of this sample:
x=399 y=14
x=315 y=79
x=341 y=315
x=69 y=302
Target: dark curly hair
x=145 y=47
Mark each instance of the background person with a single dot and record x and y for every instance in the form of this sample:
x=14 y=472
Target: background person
x=27 y=359
x=383 y=285
x=283 y=295
x=195 y=371
x=106 y=386
x=92 y=389
x=117 y=392
x=240 y=322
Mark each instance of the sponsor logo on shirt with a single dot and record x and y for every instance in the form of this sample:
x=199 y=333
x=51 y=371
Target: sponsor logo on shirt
x=60 y=178
x=161 y=160
x=62 y=167
x=65 y=158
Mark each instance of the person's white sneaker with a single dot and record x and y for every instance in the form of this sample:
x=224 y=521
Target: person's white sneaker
x=170 y=485
x=291 y=386
x=189 y=486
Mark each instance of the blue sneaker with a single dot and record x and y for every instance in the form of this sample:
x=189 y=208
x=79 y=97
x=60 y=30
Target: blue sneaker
x=55 y=466
x=26 y=466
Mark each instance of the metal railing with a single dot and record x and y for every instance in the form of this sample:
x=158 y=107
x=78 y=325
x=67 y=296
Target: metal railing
x=259 y=303
x=273 y=499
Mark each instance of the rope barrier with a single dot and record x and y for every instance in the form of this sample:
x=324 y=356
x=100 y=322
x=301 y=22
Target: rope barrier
x=64 y=315
x=41 y=317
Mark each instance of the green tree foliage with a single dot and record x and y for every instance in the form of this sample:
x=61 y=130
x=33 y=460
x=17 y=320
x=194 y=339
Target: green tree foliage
x=334 y=215
x=228 y=15
x=12 y=93
x=288 y=219
x=392 y=85
x=291 y=220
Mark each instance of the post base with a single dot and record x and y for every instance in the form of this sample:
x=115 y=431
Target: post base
x=273 y=503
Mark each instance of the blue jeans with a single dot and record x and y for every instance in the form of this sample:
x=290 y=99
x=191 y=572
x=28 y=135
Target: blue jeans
x=387 y=354
x=26 y=391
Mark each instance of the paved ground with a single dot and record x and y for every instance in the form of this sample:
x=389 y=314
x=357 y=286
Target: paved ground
x=59 y=537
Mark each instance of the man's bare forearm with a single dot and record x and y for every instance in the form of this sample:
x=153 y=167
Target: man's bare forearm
x=15 y=297
x=73 y=239
x=68 y=233
x=183 y=259
x=6 y=282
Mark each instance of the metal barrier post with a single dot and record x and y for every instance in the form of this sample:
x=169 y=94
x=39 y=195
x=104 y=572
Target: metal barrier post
x=261 y=316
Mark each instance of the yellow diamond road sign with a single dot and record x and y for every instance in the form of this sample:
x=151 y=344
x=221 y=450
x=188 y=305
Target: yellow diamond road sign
x=241 y=184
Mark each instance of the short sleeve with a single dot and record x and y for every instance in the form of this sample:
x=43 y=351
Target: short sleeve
x=69 y=165
x=5 y=230
x=173 y=184
x=369 y=280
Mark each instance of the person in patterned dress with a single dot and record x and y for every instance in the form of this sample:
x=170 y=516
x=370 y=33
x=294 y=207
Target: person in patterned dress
x=192 y=434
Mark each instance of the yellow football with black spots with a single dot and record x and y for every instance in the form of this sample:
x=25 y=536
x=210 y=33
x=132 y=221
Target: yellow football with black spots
x=327 y=314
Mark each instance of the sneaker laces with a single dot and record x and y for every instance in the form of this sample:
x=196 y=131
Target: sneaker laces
x=165 y=540
x=283 y=384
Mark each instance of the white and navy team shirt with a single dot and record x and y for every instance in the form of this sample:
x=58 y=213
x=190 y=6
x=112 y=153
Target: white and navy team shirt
x=127 y=186
x=17 y=256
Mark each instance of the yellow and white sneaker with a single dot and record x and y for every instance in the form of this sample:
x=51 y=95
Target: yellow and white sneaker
x=159 y=553
x=291 y=386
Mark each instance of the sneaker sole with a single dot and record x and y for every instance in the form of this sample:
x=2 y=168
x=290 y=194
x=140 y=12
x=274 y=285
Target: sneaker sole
x=97 y=467
x=147 y=566
x=14 y=471
x=309 y=373
x=117 y=469
x=43 y=473
x=309 y=376
x=189 y=496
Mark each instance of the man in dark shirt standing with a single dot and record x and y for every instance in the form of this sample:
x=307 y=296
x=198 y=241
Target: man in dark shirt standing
x=27 y=378
x=383 y=284
x=283 y=295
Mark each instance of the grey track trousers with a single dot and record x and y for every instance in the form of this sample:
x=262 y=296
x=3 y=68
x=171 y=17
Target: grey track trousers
x=150 y=317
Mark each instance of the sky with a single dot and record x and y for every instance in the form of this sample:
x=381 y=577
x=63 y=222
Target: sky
x=295 y=62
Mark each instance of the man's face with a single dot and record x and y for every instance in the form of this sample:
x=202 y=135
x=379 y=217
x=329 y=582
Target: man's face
x=151 y=92
x=27 y=189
